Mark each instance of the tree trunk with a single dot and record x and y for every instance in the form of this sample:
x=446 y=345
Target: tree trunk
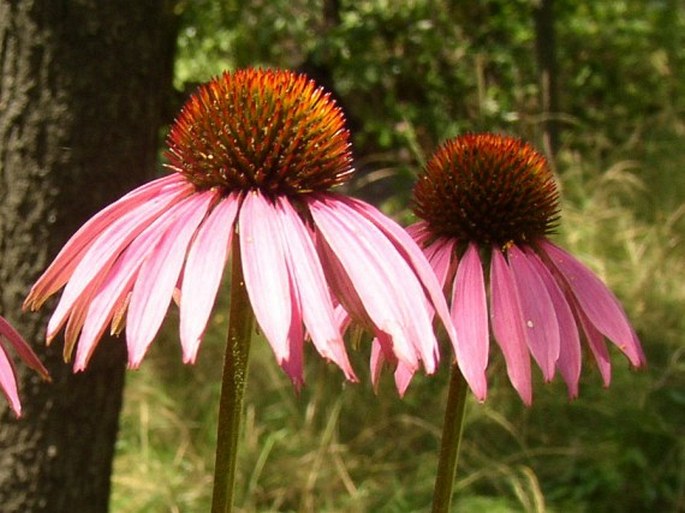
x=545 y=42
x=82 y=89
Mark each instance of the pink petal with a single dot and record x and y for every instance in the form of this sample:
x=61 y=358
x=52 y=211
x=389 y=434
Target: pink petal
x=597 y=302
x=8 y=382
x=441 y=256
x=59 y=271
x=470 y=316
x=376 y=363
x=117 y=287
x=413 y=255
x=100 y=312
x=403 y=376
x=342 y=317
x=347 y=293
x=387 y=286
x=265 y=271
x=596 y=343
x=569 y=362
x=22 y=348
x=420 y=232
x=542 y=327
x=351 y=306
x=381 y=354
x=310 y=282
x=507 y=326
x=293 y=365
x=202 y=273
x=158 y=276
x=103 y=251
x=77 y=318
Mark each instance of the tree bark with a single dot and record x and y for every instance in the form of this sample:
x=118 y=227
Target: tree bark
x=82 y=90
x=545 y=42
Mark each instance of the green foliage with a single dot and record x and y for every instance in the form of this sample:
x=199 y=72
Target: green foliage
x=627 y=64
x=410 y=74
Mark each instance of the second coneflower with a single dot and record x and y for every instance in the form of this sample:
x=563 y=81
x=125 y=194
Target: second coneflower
x=253 y=156
x=488 y=204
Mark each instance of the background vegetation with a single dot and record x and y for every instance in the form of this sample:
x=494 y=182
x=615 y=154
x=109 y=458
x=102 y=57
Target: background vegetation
x=410 y=74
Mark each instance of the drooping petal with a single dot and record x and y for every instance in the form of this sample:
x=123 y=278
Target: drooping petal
x=420 y=232
x=349 y=305
x=403 y=376
x=78 y=316
x=541 y=325
x=386 y=284
x=265 y=271
x=341 y=316
x=569 y=362
x=381 y=354
x=102 y=252
x=293 y=365
x=119 y=313
x=109 y=303
x=61 y=268
x=354 y=298
x=508 y=327
x=441 y=256
x=202 y=273
x=8 y=382
x=158 y=276
x=22 y=348
x=376 y=362
x=598 y=348
x=100 y=312
x=413 y=255
x=598 y=303
x=309 y=280
x=470 y=315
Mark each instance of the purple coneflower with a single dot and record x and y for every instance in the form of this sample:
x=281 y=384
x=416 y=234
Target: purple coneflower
x=488 y=204
x=253 y=155
x=8 y=380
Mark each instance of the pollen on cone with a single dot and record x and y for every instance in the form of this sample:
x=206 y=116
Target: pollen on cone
x=272 y=130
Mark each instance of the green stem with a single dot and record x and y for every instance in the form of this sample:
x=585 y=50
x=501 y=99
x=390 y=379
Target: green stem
x=451 y=440
x=234 y=377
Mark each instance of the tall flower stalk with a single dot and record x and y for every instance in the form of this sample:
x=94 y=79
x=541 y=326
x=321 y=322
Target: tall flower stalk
x=488 y=205
x=234 y=380
x=253 y=156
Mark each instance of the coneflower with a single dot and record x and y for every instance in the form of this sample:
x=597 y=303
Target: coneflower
x=488 y=204
x=253 y=156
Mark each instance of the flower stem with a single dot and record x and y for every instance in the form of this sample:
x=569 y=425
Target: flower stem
x=451 y=440
x=234 y=377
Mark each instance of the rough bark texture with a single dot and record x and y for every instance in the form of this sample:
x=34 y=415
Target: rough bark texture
x=82 y=89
